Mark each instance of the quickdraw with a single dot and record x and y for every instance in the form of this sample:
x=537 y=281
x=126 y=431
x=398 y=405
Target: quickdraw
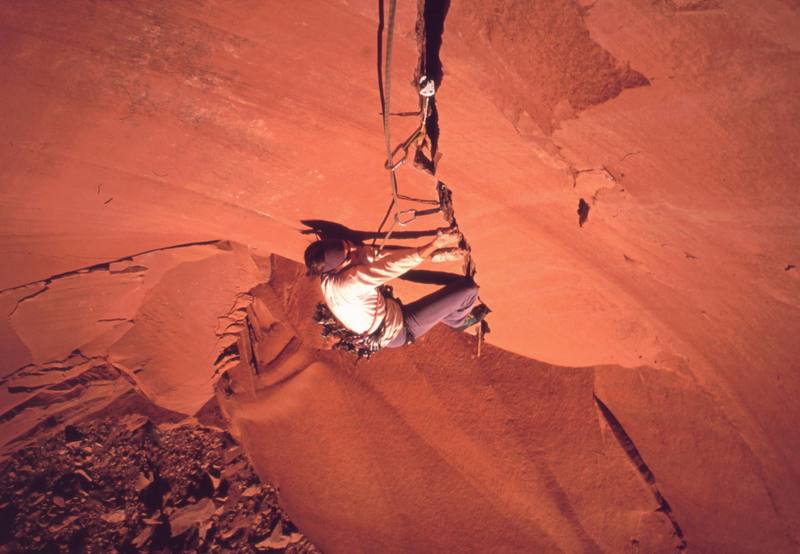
x=427 y=89
x=444 y=205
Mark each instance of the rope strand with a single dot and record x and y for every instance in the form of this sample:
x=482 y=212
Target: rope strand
x=385 y=86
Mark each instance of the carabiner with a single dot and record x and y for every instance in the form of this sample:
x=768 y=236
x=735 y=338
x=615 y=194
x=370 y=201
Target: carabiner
x=427 y=87
x=392 y=165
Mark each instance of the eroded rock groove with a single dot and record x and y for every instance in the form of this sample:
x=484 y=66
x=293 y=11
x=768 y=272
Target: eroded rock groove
x=644 y=470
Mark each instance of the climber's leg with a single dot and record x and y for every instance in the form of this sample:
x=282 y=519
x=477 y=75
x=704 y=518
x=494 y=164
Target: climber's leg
x=450 y=305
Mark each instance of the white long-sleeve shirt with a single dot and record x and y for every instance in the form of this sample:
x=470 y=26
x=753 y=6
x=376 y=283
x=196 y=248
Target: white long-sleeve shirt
x=353 y=297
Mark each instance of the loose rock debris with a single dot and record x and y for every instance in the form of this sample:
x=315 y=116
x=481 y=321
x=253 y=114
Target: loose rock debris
x=128 y=485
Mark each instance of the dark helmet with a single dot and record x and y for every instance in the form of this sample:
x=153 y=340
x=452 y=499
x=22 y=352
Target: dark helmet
x=326 y=255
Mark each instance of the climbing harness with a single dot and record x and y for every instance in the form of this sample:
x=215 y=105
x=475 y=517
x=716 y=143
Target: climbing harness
x=361 y=345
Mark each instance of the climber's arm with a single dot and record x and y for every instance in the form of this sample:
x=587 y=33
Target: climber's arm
x=398 y=262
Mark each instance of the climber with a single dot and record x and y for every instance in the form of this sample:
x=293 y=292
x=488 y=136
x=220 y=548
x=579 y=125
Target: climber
x=353 y=276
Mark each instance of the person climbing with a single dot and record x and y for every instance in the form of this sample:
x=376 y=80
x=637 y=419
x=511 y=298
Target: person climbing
x=353 y=278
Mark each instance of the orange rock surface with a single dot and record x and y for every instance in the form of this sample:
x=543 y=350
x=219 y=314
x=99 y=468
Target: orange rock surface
x=638 y=389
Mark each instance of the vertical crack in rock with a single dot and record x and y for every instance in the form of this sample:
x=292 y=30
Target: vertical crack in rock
x=430 y=29
x=431 y=15
x=637 y=460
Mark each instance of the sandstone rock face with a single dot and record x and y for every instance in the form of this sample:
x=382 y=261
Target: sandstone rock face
x=638 y=389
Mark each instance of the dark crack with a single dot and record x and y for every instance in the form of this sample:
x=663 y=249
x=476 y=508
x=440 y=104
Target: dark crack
x=629 y=154
x=430 y=29
x=583 y=212
x=232 y=324
x=627 y=444
x=63 y=364
x=690 y=6
x=61 y=391
x=251 y=335
x=45 y=288
x=114 y=319
x=104 y=266
x=227 y=354
x=130 y=269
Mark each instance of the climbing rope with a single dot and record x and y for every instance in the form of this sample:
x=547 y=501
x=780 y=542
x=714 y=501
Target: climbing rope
x=386 y=97
x=385 y=83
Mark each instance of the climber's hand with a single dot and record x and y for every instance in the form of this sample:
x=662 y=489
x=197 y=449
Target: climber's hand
x=448 y=255
x=447 y=238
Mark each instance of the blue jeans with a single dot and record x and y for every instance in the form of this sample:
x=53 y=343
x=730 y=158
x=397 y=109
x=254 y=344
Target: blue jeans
x=450 y=305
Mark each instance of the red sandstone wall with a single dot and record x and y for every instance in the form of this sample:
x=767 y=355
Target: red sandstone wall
x=130 y=129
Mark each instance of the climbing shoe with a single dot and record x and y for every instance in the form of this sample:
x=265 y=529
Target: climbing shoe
x=476 y=316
